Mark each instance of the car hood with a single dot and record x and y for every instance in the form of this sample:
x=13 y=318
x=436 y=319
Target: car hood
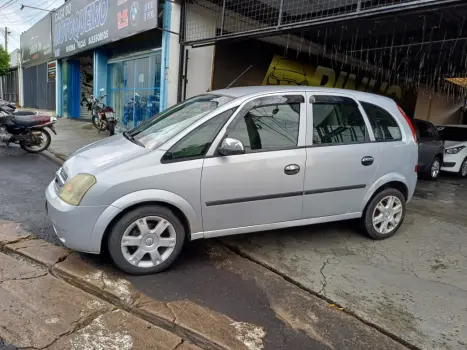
x=102 y=155
x=452 y=144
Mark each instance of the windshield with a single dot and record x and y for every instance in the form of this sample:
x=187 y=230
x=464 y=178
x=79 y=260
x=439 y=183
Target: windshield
x=165 y=125
x=451 y=133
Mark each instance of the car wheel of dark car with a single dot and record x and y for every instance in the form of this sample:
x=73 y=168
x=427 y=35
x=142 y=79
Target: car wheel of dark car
x=384 y=215
x=146 y=240
x=463 y=170
x=435 y=168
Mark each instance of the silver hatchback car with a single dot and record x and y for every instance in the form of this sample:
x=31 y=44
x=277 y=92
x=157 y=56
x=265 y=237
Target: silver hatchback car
x=236 y=161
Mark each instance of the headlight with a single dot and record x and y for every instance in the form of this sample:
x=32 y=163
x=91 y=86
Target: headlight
x=74 y=190
x=455 y=150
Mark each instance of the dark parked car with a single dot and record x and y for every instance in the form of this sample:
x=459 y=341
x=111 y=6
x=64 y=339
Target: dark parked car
x=430 y=150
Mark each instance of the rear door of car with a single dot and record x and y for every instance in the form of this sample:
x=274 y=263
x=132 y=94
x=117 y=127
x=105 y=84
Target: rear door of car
x=341 y=159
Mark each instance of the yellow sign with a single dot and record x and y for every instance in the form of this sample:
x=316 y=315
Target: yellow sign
x=283 y=71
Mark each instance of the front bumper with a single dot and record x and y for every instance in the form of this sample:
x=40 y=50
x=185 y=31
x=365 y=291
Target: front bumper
x=74 y=225
x=451 y=163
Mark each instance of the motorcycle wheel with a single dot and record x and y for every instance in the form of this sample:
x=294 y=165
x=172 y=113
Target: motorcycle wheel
x=100 y=125
x=112 y=128
x=45 y=143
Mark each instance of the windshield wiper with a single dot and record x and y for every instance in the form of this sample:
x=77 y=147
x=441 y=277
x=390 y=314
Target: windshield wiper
x=132 y=139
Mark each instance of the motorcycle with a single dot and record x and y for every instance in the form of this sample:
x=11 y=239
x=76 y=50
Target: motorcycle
x=103 y=117
x=29 y=131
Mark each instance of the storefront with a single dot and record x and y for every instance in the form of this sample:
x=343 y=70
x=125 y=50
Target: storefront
x=39 y=87
x=111 y=46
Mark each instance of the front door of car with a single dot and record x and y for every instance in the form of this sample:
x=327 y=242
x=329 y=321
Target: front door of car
x=263 y=185
x=341 y=160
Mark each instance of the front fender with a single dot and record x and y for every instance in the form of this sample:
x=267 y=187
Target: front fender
x=391 y=177
x=138 y=197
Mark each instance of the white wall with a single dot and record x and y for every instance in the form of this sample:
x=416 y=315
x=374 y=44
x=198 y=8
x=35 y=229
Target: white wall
x=200 y=60
x=173 y=51
x=441 y=110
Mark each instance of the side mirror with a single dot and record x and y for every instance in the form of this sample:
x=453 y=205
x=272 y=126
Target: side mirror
x=231 y=146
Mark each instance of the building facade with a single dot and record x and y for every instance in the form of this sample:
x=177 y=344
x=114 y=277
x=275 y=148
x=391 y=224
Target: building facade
x=37 y=85
x=125 y=50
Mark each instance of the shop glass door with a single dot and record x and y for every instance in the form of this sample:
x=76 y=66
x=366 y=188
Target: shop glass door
x=134 y=87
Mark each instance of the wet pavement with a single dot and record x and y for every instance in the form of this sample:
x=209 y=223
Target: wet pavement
x=23 y=179
x=412 y=284
x=446 y=197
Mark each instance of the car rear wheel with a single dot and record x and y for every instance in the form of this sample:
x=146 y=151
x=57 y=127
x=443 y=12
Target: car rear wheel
x=384 y=214
x=146 y=240
x=435 y=168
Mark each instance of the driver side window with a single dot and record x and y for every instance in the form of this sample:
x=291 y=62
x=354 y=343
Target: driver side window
x=197 y=143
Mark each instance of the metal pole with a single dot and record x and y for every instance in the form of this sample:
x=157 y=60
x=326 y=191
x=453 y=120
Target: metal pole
x=6 y=39
x=223 y=16
x=279 y=20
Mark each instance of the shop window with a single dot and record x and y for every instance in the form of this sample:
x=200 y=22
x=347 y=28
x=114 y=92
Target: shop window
x=134 y=87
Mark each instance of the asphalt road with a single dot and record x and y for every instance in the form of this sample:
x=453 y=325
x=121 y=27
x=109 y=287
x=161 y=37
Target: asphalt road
x=206 y=273
x=23 y=179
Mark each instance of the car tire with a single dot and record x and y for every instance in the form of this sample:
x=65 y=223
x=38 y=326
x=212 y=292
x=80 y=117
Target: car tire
x=374 y=212
x=435 y=169
x=463 y=169
x=134 y=242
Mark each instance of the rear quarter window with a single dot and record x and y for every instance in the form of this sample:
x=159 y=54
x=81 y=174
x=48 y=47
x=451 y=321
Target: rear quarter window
x=385 y=127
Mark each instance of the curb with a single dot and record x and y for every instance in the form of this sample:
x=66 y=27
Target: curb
x=54 y=158
x=181 y=318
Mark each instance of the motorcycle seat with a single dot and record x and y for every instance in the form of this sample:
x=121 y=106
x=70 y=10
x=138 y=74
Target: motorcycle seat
x=30 y=120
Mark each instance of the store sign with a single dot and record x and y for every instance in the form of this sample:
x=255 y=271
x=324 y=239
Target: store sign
x=81 y=25
x=36 y=43
x=284 y=71
x=51 y=71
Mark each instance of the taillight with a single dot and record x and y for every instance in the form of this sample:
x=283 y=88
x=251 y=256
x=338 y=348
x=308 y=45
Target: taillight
x=412 y=128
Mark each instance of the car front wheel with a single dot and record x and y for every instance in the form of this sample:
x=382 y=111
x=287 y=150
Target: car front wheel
x=384 y=214
x=146 y=240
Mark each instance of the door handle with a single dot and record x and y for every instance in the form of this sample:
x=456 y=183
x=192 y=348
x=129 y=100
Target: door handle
x=292 y=169
x=368 y=160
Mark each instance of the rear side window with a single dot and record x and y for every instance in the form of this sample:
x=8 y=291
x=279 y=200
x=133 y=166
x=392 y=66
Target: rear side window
x=426 y=130
x=383 y=124
x=337 y=120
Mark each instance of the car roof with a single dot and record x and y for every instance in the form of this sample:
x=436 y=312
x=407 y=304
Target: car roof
x=253 y=90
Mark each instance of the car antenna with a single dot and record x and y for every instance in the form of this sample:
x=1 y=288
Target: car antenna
x=241 y=75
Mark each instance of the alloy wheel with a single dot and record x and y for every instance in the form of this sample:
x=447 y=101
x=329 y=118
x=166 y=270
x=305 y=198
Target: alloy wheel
x=148 y=241
x=464 y=169
x=387 y=215
x=435 y=168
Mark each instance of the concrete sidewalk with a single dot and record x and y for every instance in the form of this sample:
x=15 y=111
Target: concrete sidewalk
x=41 y=311
x=72 y=135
